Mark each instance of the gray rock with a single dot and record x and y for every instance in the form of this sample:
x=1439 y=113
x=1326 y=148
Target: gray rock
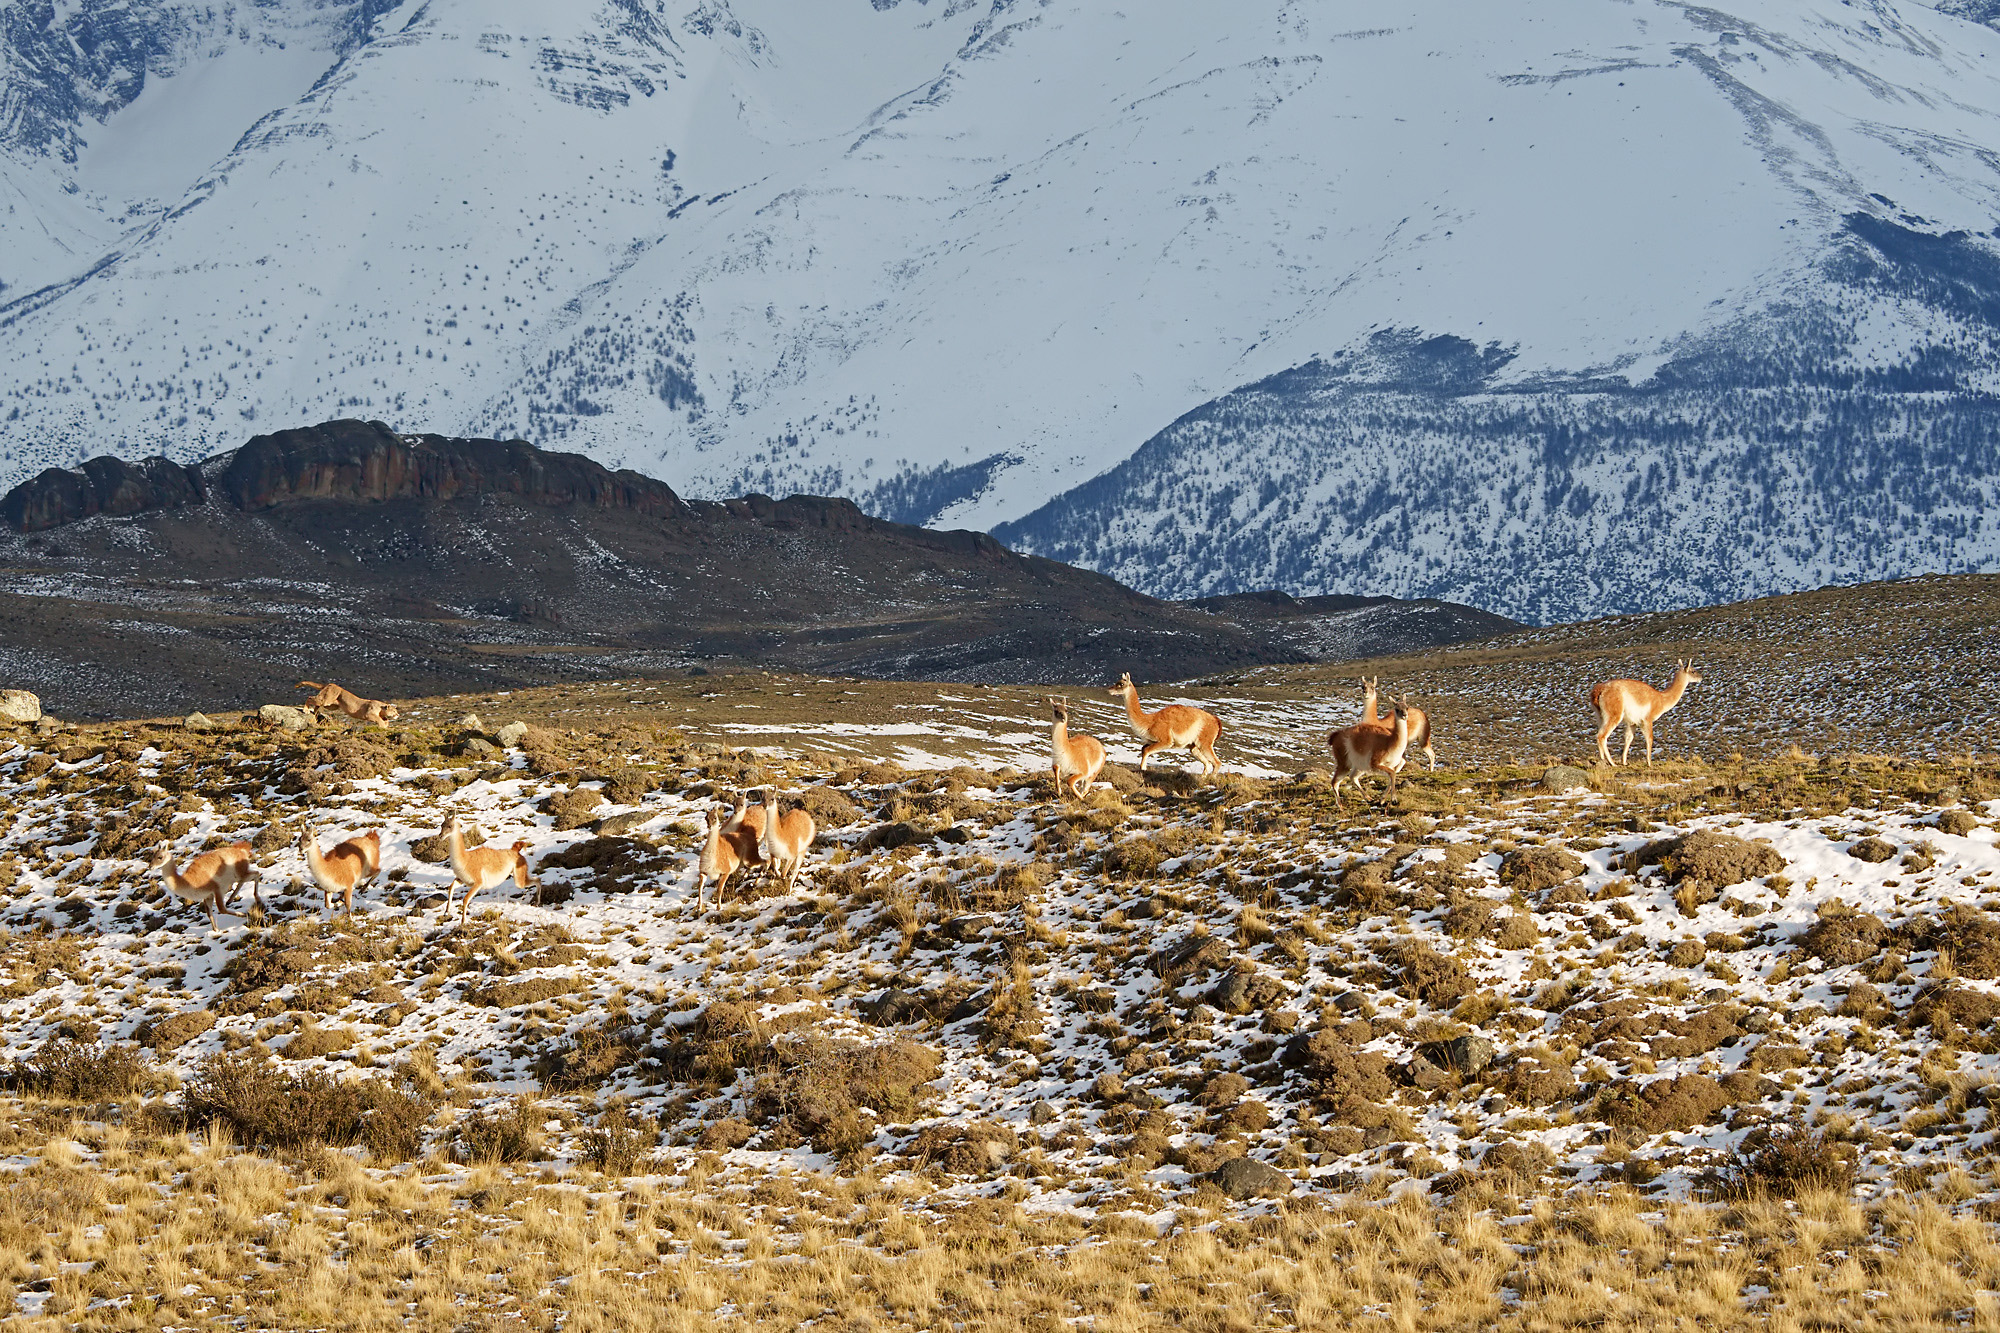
x=1468 y=1054
x=47 y=726
x=287 y=717
x=1147 y=909
x=1245 y=992
x=478 y=747
x=1560 y=778
x=1041 y=1113
x=1423 y=1074
x=198 y=722
x=966 y=929
x=471 y=722
x=19 y=706
x=1248 y=1178
x=618 y=825
x=512 y=733
x=895 y=1006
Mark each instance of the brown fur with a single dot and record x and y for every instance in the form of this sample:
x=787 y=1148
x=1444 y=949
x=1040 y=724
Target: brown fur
x=482 y=867
x=341 y=870
x=211 y=879
x=1369 y=746
x=728 y=847
x=1175 y=727
x=1635 y=703
x=788 y=836
x=1077 y=759
x=334 y=697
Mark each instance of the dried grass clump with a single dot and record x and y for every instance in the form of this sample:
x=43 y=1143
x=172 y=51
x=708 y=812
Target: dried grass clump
x=1016 y=882
x=175 y=1030
x=66 y=1069
x=1664 y=1104
x=1436 y=979
x=966 y=1150
x=265 y=1105
x=1841 y=937
x=1713 y=861
x=1532 y=869
x=511 y=1132
x=588 y=1059
x=823 y=1086
x=575 y=808
x=1957 y=822
x=829 y=808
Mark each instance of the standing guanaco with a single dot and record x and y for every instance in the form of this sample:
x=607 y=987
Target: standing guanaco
x=1369 y=745
x=787 y=837
x=1420 y=721
x=1175 y=727
x=1633 y=703
x=481 y=868
x=339 y=871
x=211 y=879
x=725 y=851
x=1077 y=759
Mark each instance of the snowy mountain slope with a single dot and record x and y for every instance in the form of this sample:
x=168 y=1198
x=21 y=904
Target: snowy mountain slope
x=960 y=259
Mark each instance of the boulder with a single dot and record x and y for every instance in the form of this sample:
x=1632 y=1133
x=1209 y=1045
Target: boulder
x=1562 y=778
x=286 y=717
x=19 y=706
x=471 y=722
x=512 y=734
x=1468 y=1054
x=615 y=825
x=198 y=722
x=1248 y=1178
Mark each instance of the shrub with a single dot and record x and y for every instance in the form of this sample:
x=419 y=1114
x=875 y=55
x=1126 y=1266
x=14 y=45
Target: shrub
x=822 y=1085
x=617 y=1144
x=264 y=1105
x=68 y=1070
x=1532 y=869
x=1789 y=1160
x=830 y=809
x=175 y=1030
x=509 y=1133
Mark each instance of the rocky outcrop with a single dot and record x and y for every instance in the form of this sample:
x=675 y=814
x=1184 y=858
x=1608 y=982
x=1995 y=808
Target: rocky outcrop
x=101 y=486
x=357 y=461
x=366 y=461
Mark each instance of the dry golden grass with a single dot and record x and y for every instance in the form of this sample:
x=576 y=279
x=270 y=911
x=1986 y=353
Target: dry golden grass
x=109 y=1230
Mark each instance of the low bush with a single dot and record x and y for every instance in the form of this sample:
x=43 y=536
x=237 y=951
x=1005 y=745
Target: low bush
x=65 y=1069
x=265 y=1105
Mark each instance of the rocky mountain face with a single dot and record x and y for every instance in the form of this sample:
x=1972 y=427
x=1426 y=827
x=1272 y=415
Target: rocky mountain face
x=408 y=564
x=1572 y=310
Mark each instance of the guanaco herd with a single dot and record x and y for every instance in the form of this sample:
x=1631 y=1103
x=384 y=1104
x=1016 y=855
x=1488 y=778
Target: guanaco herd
x=764 y=837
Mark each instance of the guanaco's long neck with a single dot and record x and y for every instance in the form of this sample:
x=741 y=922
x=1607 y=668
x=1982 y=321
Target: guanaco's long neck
x=1061 y=735
x=711 y=848
x=1370 y=712
x=1140 y=717
x=769 y=841
x=1673 y=692
x=455 y=841
x=172 y=877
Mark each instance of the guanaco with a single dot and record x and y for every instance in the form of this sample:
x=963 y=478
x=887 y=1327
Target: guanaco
x=350 y=703
x=747 y=818
x=1077 y=759
x=1175 y=727
x=1369 y=745
x=341 y=870
x=786 y=839
x=1420 y=721
x=725 y=851
x=1633 y=703
x=211 y=879
x=481 y=868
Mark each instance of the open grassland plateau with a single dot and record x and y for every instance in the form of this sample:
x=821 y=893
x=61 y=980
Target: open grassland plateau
x=1712 y=1044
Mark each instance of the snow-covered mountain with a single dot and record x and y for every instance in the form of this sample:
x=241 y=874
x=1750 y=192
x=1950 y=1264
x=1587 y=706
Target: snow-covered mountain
x=1561 y=306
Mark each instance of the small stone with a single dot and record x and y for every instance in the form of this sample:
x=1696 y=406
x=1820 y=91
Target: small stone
x=894 y=1006
x=47 y=726
x=478 y=747
x=471 y=722
x=1561 y=778
x=1146 y=909
x=966 y=929
x=512 y=734
x=19 y=706
x=286 y=717
x=1248 y=1178
x=198 y=722
x=1041 y=1113
x=1108 y=1087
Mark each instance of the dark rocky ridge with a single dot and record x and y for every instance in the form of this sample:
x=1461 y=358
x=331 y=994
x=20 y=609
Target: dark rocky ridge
x=416 y=565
